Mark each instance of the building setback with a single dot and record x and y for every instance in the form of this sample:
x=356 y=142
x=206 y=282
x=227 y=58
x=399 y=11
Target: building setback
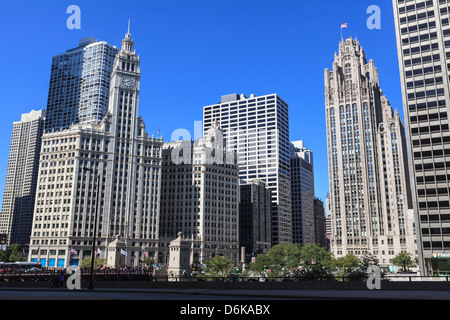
x=257 y=128
x=21 y=178
x=113 y=168
x=423 y=42
x=200 y=197
x=368 y=170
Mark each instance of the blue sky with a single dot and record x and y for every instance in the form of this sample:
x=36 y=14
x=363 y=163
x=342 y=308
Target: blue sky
x=194 y=51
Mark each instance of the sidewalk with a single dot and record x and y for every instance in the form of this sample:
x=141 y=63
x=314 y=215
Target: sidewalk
x=269 y=294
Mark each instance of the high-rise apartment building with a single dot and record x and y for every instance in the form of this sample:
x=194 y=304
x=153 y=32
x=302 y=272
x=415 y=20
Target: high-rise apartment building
x=79 y=84
x=21 y=178
x=302 y=194
x=200 y=197
x=423 y=41
x=257 y=128
x=368 y=170
x=111 y=170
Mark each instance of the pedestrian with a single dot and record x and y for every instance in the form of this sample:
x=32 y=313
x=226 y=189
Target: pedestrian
x=61 y=279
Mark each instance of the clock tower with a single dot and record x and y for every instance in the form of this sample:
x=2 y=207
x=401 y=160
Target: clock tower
x=136 y=162
x=115 y=190
x=125 y=81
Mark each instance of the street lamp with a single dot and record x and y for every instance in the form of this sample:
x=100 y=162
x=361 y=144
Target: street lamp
x=95 y=227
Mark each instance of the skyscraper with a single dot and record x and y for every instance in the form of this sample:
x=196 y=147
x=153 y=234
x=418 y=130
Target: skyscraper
x=110 y=169
x=319 y=223
x=79 y=84
x=302 y=194
x=423 y=41
x=367 y=161
x=21 y=178
x=257 y=128
x=200 y=197
x=255 y=213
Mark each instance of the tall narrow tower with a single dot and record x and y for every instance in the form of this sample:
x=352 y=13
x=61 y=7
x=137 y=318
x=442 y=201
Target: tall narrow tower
x=21 y=178
x=367 y=161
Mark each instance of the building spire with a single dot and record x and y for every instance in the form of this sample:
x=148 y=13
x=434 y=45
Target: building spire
x=128 y=43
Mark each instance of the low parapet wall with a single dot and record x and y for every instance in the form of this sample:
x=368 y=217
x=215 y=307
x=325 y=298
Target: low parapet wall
x=287 y=285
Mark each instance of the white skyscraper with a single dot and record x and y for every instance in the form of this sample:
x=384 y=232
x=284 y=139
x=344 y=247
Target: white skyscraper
x=369 y=185
x=257 y=128
x=111 y=170
x=200 y=197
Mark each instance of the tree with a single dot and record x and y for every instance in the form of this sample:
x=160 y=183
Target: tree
x=98 y=262
x=314 y=256
x=14 y=253
x=404 y=260
x=287 y=259
x=347 y=264
x=278 y=261
x=263 y=263
x=218 y=266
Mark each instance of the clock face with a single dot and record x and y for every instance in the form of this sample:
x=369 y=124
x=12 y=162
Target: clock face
x=127 y=82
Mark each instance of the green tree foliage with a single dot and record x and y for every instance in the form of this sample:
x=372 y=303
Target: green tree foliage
x=217 y=267
x=314 y=256
x=98 y=262
x=13 y=253
x=287 y=259
x=347 y=265
x=404 y=260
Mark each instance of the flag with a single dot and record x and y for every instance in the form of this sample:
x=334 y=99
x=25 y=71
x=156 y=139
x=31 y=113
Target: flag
x=123 y=252
x=159 y=131
x=37 y=250
x=73 y=251
x=344 y=25
x=145 y=253
x=99 y=252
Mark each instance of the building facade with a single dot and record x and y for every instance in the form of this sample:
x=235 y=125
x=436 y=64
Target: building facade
x=255 y=212
x=200 y=197
x=302 y=194
x=110 y=170
x=257 y=129
x=368 y=169
x=79 y=84
x=319 y=222
x=328 y=215
x=423 y=41
x=21 y=178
